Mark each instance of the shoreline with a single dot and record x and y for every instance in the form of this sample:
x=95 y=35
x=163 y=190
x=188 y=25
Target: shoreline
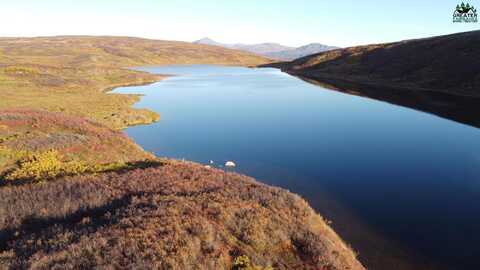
x=76 y=114
x=335 y=237
x=154 y=116
x=333 y=79
x=458 y=107
x=343 y=224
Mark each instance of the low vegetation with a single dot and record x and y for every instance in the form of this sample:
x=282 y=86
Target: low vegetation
x=444 y=64
x=44 y=166
x=173 y=215
x=37 y=146
x=243 y=263
x=72 y=74
x=75 y=193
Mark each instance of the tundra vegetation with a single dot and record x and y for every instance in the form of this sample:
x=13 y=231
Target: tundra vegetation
x=446 y=64
x=76 y=193
x=170 y=215
x=72 y=74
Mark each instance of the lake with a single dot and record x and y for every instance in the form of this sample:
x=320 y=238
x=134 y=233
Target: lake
x=401 y=186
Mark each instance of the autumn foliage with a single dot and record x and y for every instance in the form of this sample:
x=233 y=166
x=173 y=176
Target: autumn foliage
x=170 y=215
x=38 y=145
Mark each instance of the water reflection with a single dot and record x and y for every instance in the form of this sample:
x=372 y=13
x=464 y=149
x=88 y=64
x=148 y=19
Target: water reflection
x=400 y=185
x=462 y=109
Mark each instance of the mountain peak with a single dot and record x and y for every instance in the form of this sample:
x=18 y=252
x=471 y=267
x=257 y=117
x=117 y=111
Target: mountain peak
x=317 y=45
x=207 y=41
x=271 y=49
x=312 y=48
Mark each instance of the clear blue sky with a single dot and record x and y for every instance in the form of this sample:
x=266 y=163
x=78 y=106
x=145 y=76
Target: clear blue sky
x=291 y=22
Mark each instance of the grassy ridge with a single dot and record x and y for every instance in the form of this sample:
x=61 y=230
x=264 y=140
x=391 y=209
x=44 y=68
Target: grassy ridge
x=72 y=74
x=446 y=64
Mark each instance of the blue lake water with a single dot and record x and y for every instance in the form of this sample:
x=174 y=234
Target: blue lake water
x=396 y=183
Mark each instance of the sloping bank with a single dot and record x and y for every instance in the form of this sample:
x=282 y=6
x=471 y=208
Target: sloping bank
x=443 y=64
x=77 y=194
x=145 y=213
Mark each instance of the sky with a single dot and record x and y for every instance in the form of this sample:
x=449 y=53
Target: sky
x=289 y=22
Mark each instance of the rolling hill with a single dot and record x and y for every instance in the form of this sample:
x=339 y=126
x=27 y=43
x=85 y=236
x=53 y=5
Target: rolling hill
x=117 y=52
x=447 y=64
x=71 y=74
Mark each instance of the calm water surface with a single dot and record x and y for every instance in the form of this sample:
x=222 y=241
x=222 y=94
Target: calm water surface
x=398 y=184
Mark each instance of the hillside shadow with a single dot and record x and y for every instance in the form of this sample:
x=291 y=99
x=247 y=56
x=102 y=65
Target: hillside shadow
x=72 y=222
x=459 y=108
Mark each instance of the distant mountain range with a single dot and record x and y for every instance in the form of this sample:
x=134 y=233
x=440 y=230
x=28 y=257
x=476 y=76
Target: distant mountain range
x=299 y=52
x=272 y=50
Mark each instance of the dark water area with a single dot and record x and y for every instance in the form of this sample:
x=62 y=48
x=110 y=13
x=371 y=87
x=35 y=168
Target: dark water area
x=401 y=186
x=460 y=108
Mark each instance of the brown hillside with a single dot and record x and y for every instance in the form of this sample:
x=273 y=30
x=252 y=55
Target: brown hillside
x=88 y=51
x=449 y=63
x=173 y=215
x=71 y=74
